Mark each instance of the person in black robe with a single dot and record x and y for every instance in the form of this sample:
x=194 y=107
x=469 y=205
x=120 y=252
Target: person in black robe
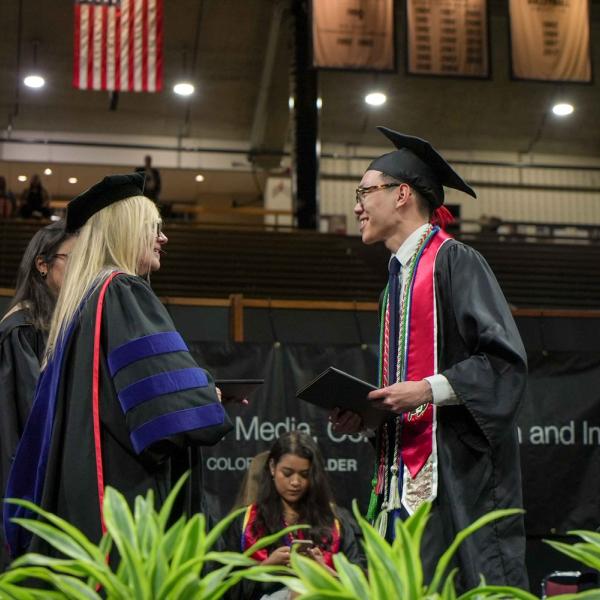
x=120 y=394
x=474 y=389
x=23 y=331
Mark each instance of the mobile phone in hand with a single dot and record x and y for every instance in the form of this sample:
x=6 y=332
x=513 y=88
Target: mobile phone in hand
x=302 y=546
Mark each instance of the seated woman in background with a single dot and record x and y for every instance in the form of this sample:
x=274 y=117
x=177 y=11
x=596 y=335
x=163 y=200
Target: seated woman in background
x=23 y=332
x=294 y=490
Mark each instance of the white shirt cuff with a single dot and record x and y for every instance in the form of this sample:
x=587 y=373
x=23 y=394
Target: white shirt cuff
x=443 y=394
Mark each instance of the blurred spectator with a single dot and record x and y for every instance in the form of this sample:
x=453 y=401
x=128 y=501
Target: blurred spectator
x=152 y=183
x=8 y=204
x=489 y=223
x=35 y=201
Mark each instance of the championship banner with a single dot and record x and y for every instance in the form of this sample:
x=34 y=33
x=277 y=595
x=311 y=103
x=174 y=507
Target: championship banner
x=550 y=40
x=118 y=45
x=447 y=37
x=353 y=34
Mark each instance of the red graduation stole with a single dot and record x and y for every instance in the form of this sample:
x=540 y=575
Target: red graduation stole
x=250 y=535
x=418 y=427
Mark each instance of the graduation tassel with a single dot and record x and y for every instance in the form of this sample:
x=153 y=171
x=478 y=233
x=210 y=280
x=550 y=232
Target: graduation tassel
x=394 y=497
x=381 y=524
x=373 y=502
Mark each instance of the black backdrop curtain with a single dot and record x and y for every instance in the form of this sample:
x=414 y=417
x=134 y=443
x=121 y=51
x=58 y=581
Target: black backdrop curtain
x=559 y=427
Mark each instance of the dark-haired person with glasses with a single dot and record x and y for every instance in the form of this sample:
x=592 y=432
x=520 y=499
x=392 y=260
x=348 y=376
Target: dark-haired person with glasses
x=23 y=332
x=452 y=373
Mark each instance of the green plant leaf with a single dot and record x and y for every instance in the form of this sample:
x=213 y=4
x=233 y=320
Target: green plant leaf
x=445 y=559
x=167 y=507
x=314 y=575
x=187 y=545
x=276 y=574
x=118 y=518
x=448 y=591
x=328 y=596
x=217 y=531
x=267 y=540
x=383 y=567
x=576 y=552
x=217 y=582
x=409 y=558
x=159 y=571
x=185 y=586
x=415 y=524
x=593 y=537
x=351 y=576
x=121 y=526
x=97 y=572
x=55 y=537
x=169 y=541
x=175 y=574
x=498 y=591
x=62 y=525
x=65 y=565
x=230 y=558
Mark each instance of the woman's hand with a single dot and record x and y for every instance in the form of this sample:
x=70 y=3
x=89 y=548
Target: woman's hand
x=316 y=554
x=281 y=556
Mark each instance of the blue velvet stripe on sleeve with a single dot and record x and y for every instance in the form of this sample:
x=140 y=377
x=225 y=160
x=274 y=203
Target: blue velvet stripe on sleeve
x=176 y=422
x=143 y=347
x=160 y=384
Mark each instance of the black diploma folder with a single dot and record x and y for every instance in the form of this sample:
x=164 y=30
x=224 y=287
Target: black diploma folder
x=336 y=389
x=236 y=390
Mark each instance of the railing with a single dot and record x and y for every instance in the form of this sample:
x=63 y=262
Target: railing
x=255 y=217
x=237 y=303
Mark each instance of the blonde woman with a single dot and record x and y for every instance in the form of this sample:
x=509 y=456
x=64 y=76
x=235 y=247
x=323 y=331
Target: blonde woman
x=120 y=396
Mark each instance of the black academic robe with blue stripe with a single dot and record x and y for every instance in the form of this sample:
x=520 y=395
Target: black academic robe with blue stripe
x=156 y=405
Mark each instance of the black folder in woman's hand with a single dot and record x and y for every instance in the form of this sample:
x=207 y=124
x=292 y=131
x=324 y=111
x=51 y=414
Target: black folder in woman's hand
x=236 y=390
x=336 y=389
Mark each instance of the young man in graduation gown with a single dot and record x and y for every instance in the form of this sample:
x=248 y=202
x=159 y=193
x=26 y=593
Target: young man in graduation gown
x=120 y=396
x=452 y=372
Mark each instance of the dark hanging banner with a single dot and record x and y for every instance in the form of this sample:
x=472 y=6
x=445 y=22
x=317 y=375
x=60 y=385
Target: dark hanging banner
x=559 y=428
x=448 y=37
x=353 y=34
x=550 y=40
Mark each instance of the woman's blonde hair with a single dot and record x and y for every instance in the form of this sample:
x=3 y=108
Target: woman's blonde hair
x=115 y=238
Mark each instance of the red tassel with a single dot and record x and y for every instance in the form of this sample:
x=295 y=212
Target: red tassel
x=380 y=478
x=442 y=217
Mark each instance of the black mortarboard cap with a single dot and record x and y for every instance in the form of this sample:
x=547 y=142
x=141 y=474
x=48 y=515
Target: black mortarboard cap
x=102 y=194
x=417 y=163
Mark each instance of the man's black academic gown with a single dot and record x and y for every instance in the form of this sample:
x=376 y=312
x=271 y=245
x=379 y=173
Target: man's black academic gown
x=481 y=354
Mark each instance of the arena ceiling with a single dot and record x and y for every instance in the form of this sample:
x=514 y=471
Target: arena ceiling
x=226 y=43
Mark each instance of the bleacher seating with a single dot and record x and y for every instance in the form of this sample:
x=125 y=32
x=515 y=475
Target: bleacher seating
x=217 y=262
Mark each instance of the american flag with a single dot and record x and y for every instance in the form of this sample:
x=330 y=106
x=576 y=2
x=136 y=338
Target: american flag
x=118 y=45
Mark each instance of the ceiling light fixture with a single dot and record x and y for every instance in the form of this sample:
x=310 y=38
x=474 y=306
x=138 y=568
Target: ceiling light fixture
x=199 y=178
x=184 y=88
x=562 y=109
x=22 y=178
x=72 y=180
x=34 y=81
x=375 y=98
x=48 y=171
